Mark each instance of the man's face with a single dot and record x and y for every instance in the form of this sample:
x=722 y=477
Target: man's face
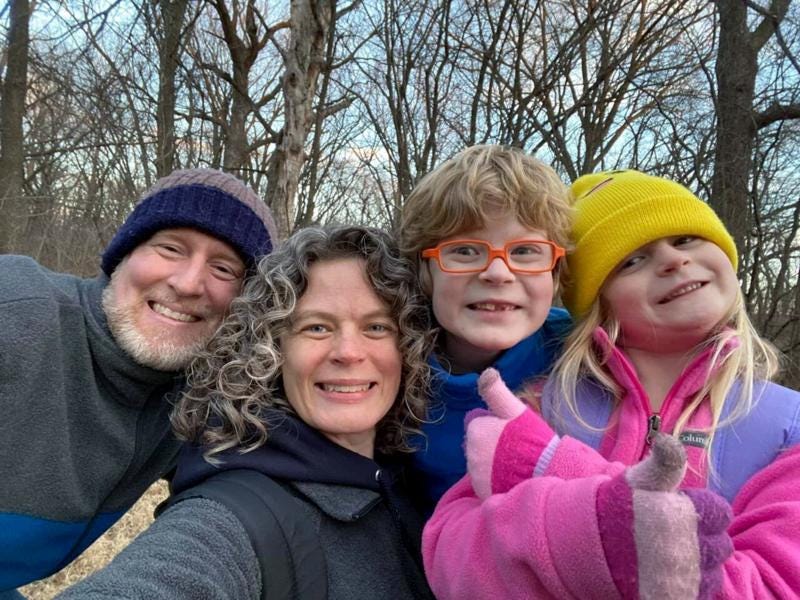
x=169 y=295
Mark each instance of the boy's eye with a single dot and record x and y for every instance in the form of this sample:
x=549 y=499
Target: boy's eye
x=528 y=249
x=463 y=250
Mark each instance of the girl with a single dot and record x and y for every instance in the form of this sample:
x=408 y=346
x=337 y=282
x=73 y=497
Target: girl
x=663 y=344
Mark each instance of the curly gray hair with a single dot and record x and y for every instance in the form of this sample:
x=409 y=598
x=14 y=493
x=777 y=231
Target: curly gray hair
x=237 y=377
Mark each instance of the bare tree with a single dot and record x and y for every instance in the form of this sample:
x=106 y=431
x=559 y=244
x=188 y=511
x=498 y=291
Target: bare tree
x=304 y=58
x=12 y=113
x=737 y=120
x=172 y=14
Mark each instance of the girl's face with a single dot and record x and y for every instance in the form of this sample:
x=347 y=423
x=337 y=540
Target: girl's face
x=484 y=313
x=670 y=294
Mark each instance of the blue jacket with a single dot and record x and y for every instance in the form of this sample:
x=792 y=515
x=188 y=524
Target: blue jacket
x=439 y=462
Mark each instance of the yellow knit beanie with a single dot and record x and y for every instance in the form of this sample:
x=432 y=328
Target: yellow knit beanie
x=617 y=212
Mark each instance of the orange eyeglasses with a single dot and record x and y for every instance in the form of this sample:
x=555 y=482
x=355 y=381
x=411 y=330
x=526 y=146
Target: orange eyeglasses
x=473 y=256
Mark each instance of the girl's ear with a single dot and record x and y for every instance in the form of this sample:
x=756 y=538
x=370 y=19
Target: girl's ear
x=425 y=277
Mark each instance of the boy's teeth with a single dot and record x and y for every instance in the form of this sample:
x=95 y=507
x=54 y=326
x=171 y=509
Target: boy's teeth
x=684 y=290
x=163 y=310
x=328 y=387
x=492 y=306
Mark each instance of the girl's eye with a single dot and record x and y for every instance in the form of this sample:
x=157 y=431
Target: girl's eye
x=629 y=263
x=684 y=239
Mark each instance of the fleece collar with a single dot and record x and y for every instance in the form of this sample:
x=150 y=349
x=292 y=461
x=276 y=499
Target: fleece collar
x=625 y=439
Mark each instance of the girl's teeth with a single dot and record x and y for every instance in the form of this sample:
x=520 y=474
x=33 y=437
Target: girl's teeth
x=684 y=290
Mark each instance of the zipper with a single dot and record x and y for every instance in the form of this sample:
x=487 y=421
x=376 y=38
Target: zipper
x=653 y=426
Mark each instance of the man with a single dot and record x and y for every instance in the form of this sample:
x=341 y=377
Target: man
x=88 y=366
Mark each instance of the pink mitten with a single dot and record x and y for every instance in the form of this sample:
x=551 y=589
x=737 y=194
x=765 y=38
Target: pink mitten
x=660 y=543
x=503 y=446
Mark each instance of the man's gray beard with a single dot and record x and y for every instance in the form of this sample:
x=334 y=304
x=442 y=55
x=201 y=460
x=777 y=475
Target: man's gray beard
x=161 y=355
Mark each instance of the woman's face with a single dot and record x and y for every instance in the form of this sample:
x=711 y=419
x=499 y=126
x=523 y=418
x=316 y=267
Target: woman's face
x=342 y=365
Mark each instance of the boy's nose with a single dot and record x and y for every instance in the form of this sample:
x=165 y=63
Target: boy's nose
x=497 y=272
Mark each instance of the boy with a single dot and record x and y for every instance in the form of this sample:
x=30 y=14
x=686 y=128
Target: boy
x=487 y=228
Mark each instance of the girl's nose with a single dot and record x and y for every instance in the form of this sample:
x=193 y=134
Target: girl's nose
x=670 y=259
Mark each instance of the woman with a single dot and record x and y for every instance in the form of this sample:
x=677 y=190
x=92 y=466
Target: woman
x=315 y=379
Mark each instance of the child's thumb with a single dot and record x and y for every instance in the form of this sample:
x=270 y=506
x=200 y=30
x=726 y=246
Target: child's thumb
x=663 y=470
x=502 y=402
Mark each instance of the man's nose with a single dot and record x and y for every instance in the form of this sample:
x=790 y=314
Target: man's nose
x=188 y=278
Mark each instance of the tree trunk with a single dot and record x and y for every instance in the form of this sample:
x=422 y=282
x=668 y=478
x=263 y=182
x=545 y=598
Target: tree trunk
x=736 y=70
x=12 y=112
x=172 y=15
x=310 y=23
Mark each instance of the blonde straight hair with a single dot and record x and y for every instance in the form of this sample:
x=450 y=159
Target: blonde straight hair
x=752 y=359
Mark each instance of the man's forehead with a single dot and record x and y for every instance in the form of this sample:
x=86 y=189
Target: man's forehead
x=190 y=235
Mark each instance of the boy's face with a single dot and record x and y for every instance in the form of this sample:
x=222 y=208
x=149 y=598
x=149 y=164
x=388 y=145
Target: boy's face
x=484 y=313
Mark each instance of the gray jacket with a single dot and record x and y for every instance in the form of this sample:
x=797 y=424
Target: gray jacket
x=85 y=429
x=197 y=548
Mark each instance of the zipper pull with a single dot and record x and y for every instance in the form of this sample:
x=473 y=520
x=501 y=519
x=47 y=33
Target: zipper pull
x=653 y=425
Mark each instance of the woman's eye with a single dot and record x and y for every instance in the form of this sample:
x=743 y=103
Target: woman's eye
x=315 y=328
x=380 y=328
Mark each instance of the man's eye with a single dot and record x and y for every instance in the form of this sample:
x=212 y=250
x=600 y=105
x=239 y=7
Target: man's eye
x=226 y=271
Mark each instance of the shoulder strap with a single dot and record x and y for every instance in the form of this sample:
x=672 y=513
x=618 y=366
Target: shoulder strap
x=287 y=547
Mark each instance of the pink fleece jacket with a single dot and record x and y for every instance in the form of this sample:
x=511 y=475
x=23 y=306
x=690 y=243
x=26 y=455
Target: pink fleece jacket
x=539 y=541
x=766 y=527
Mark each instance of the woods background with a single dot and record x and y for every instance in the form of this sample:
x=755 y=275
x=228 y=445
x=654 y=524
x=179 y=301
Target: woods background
x=333 y=110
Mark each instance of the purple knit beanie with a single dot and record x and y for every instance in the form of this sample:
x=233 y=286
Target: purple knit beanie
x=211 y=201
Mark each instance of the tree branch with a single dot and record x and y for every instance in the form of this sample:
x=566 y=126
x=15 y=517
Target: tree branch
x=776 y=112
